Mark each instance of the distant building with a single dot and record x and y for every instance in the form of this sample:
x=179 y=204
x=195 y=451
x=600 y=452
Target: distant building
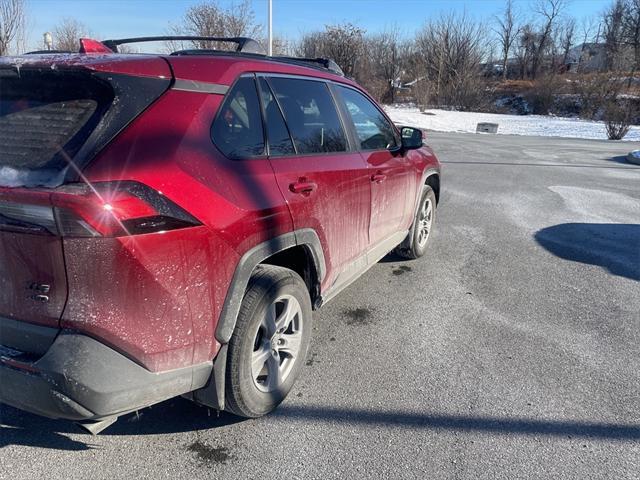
x=588 y=57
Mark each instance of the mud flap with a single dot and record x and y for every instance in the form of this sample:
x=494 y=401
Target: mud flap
x=212 y=394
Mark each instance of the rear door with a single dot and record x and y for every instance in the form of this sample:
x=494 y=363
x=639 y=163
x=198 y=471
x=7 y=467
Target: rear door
x=389 y=171
x=324 y=181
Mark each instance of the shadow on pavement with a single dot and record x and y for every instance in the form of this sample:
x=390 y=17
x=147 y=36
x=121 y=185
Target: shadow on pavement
x=545 y=165
x=180 y=415
x=620 y=159
x=173 y=416
x=463 y=423
x=615 y=247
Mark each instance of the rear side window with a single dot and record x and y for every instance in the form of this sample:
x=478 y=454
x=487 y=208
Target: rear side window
x=372 y=128
x=277 y=134
x=237 y=129
x=46 y=118
x=311 y=115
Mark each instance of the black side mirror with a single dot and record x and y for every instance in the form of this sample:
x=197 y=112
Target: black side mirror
x=411 y=138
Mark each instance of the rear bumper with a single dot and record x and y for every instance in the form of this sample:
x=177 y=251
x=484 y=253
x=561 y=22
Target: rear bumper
x=79 y=378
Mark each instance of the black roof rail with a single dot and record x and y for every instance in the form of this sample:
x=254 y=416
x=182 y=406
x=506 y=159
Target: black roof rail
x=45 y=52
x=245 y=44
x=318 y=63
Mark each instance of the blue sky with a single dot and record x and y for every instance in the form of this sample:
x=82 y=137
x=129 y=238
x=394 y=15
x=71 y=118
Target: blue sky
x=123 y=18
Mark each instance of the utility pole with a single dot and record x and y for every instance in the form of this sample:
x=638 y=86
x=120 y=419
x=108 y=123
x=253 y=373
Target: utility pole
x=270 y=27
x=48 y=40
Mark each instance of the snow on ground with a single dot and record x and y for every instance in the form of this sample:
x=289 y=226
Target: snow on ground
x=531 y=125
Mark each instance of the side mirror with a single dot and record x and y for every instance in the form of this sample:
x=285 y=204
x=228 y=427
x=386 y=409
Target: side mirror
x=411 y=138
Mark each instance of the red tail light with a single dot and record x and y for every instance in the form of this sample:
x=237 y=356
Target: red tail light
x=110 y=209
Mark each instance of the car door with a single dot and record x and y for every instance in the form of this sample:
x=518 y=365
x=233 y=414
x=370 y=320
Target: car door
x=389 y=171
x=324 y=181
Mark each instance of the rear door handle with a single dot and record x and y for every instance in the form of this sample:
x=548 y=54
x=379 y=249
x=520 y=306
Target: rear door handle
x=378 y=177
x=303 y=187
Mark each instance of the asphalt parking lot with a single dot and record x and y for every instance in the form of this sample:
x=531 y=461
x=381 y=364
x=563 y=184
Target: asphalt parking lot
x=512 y=350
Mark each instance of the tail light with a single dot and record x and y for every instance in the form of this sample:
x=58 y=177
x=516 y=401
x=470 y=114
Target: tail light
x=109 y=209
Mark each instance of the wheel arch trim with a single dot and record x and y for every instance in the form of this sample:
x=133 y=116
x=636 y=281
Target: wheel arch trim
x=305 y=237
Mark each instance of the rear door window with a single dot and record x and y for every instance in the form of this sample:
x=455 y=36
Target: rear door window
x=372 y=128
x=311 y=115
x=237 y=129
x=277 y=134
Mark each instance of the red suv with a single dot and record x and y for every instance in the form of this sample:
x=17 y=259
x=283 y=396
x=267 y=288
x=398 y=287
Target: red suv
x=169 y=222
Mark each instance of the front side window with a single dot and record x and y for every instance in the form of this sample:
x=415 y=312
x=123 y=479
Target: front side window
x=237 y=130
x=372 y=128
x=311 y=115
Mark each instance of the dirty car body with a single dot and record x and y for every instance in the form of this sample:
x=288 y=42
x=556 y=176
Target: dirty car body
x=139 y=194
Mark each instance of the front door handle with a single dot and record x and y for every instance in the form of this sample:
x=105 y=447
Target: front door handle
x=303 y=187
x=378 y=177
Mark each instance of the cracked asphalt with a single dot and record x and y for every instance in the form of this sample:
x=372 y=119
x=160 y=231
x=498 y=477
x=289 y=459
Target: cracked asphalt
x=512 y=350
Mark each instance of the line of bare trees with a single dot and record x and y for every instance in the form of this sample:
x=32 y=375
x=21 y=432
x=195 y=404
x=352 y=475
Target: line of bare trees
x=453 y=60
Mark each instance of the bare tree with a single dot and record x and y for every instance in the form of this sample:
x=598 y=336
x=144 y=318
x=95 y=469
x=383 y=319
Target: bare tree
x=549 y=10
x=343 y=43
x=527 y=47
x=67 y=35
x=507 y=30
x=588 y=26
x=385 y=57
x=613 y=19
x=12 y=23
x=631 y=34
x=209 y=19
x=567 y=39
x=450 y=51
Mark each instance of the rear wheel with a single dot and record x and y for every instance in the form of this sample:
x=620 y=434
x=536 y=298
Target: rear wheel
x=270 y=341
x=416 y=243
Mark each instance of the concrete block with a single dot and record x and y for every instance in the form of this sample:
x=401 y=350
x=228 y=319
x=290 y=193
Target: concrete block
x=485 y=127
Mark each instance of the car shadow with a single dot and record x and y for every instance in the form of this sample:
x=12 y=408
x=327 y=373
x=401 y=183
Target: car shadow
x=175 y=416
x=615 y=247
x=172 y=416
x=393 y=257
x=620 y=159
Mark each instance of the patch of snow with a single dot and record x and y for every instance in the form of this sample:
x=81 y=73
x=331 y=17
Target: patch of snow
x=529 y=125
x=12 y=177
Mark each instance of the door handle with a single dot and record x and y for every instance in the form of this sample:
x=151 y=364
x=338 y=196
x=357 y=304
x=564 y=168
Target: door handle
x=378 y=177
x=302 y=186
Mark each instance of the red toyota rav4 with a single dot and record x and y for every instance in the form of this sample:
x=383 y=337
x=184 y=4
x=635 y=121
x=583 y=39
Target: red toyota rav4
x=169 y=222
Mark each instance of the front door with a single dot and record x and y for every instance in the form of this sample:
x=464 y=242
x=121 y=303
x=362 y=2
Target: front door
x=389 y=171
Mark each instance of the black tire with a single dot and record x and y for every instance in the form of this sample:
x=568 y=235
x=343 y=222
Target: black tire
x=245 y=394
x=415 y=246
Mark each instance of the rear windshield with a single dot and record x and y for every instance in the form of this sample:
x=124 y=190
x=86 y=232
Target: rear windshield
x=46 y=117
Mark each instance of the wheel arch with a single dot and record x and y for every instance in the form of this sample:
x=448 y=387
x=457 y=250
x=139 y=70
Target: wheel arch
x=433 y=180
x=299 y=250
x=304 y=250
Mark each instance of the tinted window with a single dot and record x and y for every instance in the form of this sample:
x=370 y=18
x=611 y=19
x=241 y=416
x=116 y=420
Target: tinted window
x=277 y=134
x=237 y=130
x=372 y=128
x=311 y=115
x=43 y=114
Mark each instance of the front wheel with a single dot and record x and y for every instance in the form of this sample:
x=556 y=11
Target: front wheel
x=270 y=341
x=415 y=245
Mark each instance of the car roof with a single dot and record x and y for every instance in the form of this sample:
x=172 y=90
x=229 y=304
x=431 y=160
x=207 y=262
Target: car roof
x=224 y=68
x=218 y=67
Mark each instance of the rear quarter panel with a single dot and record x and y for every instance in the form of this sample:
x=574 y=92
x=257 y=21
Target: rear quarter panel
x=159 y=298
